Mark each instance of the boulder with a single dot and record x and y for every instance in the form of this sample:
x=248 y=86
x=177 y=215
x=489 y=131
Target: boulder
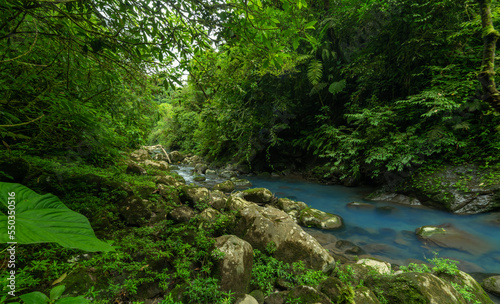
x=363 y=295
x=199 y=178
x=241 y=183
x=332 y=288
x=311 y=217
x=210 y=172
x=289 y=205
x=182 y=214
x=308 y=295
x=168 y=180
x=218 y=200
x=463 y=189
x=200 y=168
x=228 y=173
x=156 y=164
x=448 y=236
x=394 y=198
x=192 y=160
x=195 y=194
x=226 y=186
x=492 y=284
x=246 y=299
x=262 y=225
x=140 y=155
x=134 y=210
x=258 y=295
x=426 y=286
x=135 y=169
x=209 y=215
x=176 y=156
x=236 y=203
x=380 y=266
x=464 y=280
x=257 y=195
x=235 y=268
x=276 y=298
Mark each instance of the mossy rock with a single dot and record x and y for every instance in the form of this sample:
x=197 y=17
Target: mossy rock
x=492 y=284
x=288 y=205
x=80 y=281
x=218 y=200
x=258 y=195
x=416 y=288
x=135 y=211
x=311 y=217
x=277 y=298
x=258 y=295
x=195 y=194
x=168 y=180
x=241 y=183
x=363 y=295
x=308 y=295
x=464 y=279
x=135 y=169
x=199 y=178
x=226 y=186
x=333 y=288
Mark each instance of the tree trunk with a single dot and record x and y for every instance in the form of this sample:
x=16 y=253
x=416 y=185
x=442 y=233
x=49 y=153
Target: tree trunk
x=487 y=74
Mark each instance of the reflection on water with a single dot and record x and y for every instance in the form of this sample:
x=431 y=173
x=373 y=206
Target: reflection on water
x=388 y=230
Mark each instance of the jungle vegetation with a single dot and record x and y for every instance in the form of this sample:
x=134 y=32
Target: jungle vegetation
x=365 y=86
x=352 y=89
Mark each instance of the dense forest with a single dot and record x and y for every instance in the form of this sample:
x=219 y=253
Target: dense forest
x=340 y=91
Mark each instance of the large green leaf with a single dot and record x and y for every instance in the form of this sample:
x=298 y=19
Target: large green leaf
x=44 y=218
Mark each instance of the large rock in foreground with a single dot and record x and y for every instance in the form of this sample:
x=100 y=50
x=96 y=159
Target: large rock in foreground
x=428 y=287
x=235 y=268
x=263 y=225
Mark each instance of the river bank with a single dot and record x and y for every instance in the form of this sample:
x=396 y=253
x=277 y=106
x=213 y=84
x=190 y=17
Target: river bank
x=178 y=243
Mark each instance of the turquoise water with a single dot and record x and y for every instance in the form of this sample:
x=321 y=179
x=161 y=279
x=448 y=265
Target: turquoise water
x=389 y=232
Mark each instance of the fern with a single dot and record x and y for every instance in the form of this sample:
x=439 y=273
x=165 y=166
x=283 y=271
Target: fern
x=315 y=71
x=337 y=87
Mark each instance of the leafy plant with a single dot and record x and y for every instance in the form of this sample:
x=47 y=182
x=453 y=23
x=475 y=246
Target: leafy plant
x=443 y=265
x=55 y=297
x=44 y=218
x=267 y=270
x=466 y=292
x=412 y=267
x=207 y=291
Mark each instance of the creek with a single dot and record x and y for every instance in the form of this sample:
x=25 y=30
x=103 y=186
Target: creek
x=386 y=230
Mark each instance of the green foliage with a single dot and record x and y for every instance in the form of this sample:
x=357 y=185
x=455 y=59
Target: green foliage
x=466 y=292
x=412 y=267
x=38 y=218
x=54 y=297
x=267 y=270
x=345 y=274
x=315 y=72
x=442 y=265
x=207 y=291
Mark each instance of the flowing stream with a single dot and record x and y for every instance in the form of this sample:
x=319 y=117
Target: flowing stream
x=387 y=230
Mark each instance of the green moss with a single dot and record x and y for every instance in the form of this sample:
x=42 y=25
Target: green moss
x=398 y=290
